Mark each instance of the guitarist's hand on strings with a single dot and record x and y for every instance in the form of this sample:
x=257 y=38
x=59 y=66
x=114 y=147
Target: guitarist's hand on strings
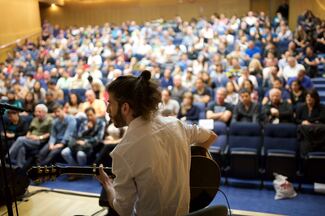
x=104 y=179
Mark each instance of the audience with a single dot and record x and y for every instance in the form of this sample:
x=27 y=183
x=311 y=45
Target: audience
x=63 y=128
x=38 y=133
x=90 y=133
x=249 y=54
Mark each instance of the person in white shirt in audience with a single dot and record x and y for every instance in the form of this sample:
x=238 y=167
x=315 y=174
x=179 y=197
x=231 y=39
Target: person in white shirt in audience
x=168 y=104
x=292 y=69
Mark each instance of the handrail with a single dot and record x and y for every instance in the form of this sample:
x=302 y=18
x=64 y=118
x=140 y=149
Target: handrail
x=18 y=40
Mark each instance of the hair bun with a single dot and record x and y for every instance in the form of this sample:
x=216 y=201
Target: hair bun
x=146 y=75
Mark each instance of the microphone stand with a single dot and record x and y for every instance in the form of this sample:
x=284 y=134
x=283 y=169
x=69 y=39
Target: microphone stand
x=7 y=192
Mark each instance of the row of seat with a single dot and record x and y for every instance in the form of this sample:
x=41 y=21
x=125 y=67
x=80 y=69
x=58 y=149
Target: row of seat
x=246 y=151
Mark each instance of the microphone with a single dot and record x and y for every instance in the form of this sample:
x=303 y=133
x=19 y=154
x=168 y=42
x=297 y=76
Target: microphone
x=10 y=107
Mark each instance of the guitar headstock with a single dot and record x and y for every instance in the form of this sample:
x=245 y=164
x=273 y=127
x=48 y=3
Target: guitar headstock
x=44 y=173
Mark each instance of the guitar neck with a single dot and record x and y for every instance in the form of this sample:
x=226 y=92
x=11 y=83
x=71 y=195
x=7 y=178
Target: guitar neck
x=84 y=170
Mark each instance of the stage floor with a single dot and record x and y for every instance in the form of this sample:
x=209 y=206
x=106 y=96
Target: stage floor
x=49 y=202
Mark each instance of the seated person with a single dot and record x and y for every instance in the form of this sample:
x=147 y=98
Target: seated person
x=188 y=111
x=277 y=110
x=91 y=101
x=219 y=110
x=38 y=133
x=167 y=103
x=15 y=125
x=232 y=95
x=50 y=102
x=90 y=133
x=201 y=92
x=297 y=94
x=245 y=110
x=178 y=89
x=303 y=78
x=113 y=136
x=285 y=95
x=63 y=128
x=311 y=112
x=73 y=106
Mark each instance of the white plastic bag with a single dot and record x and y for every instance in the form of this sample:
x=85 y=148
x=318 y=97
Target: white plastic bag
x=283 y=188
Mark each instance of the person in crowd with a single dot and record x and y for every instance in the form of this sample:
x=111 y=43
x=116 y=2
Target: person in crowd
x=297 y=94
x=276 y=110
x=219 y=110
x=311 y=62
x=90 y=133
x=188 y=111
x=246 y=75
x=312 y=111
x=12 y=99
x=63 y=128
x=246 y=110
x=29 y=104
x=64 y=81
x=285 y=95
x=133 y=102
x=248 y=85
x=38 y=133
x=178 y=89
x=39 y=92
x=218 y=76
x=50 y=102
x=58 y=94
x=91 y=101
x=78 y=81
x=232 y=95
x=168 y=104
x=73 y=106
x=305 y=81
x=113 y=136
x=16 y=126
x=167 y=80
x=292 y=69
x=201 y=92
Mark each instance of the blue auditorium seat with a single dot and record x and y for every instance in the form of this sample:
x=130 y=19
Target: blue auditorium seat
x=280 y=150
x=66 y=93
x=318 y=80
x=218 y=147
x=314 y=167
x=245 y=142
x=320 y=87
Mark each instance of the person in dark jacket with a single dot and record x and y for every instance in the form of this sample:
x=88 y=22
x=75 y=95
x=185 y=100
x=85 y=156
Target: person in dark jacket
x=311 y=112
x=277 y=110
x=245 y=110
x=188 y=111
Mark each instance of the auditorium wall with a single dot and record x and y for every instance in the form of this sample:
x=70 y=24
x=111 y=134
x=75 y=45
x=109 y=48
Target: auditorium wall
x=19 y=19
x=86 y=12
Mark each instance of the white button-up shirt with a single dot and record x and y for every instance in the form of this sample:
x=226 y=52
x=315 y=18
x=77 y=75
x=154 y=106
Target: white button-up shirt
x=152 y=165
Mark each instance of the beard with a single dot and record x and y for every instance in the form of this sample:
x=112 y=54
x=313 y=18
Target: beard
x=118 y=119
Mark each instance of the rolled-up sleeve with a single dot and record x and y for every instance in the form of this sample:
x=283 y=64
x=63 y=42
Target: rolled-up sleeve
x=196 y=134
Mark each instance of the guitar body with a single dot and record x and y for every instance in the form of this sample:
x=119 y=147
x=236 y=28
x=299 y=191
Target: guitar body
x=204 y=178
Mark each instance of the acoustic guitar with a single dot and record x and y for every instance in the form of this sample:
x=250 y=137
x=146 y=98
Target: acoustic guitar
x=204 y=176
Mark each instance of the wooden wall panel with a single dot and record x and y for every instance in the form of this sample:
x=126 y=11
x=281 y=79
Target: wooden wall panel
x=99 y=12
x=18 y=18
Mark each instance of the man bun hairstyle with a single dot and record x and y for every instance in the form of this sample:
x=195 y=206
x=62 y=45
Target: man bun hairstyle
x=141 y=93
